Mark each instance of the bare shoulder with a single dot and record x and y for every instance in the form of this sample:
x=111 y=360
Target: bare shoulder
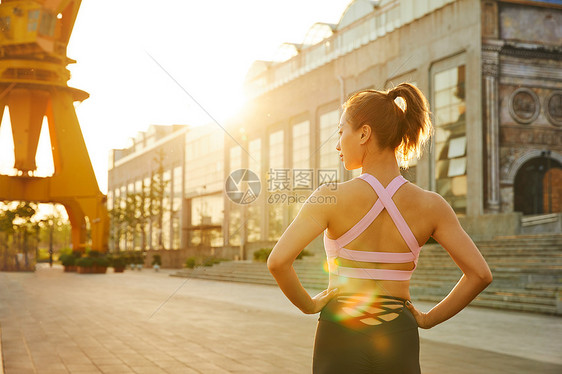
x=428 y=203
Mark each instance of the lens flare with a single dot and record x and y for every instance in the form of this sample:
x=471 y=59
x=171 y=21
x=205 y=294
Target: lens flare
x=352 y=307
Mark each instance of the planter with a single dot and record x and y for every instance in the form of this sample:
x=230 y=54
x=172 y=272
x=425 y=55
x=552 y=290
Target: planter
x=84 y=269
x=118 y=269
x=99 y=269
x=70 y=268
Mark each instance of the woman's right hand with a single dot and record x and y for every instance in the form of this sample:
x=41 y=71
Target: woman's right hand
x=320 y=300
x=421 y=318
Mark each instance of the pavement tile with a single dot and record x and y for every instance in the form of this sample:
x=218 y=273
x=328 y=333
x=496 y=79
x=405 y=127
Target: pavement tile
x=115 y=369
x=148 y=370
x=108 y=324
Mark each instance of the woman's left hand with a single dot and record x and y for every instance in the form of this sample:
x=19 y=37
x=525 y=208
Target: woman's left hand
x=422 y=319
x=319 y=301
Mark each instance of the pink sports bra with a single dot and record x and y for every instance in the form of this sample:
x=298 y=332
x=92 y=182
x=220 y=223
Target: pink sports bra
x=335 y=247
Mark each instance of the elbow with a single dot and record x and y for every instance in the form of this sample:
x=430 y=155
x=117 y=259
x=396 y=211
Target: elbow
x=482 y=278
x=486 y=278
x=274 y=265
x=271 y=265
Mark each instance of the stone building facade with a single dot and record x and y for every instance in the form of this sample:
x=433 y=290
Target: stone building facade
x=491 y=69
x=492 y=72
x=522 y=91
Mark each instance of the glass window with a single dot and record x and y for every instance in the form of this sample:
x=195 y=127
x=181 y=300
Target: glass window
x=450 y=136
x=47 y=25
x=5 y=23
x=234 y=224
x=167 y=210
x=276 y=153
x=206 y=166
x=276 y=161
x=301 y=145
x=176 y=206
x=254 y=222
x=254 y=159
x=207 y=217
x=235 y=158
x=32 y=20
x=275 y=229
x=329 y=159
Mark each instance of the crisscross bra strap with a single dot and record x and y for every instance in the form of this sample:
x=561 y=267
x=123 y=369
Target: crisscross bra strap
x=394 y=213
x=375 y=210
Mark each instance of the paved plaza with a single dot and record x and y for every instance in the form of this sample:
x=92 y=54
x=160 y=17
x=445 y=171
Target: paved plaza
x=148 y=322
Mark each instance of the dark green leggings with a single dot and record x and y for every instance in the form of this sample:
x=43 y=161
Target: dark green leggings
x=344 y=343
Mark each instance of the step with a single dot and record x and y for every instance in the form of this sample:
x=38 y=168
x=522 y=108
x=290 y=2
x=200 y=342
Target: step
x=543 y=309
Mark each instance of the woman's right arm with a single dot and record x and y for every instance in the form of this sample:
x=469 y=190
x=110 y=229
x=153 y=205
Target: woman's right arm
x=476 y=273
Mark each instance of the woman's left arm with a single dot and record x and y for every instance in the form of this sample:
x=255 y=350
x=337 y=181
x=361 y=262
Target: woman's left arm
x=310 y=222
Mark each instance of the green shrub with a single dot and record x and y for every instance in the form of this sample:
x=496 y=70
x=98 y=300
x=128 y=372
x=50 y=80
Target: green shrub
x=118 y=262
x=128 y=258
x=209 y=261
x=156 y=260
x=190 y=262
x=94 y=253
x=101 y=261
x=262 y=254
x=67 y=259
x=85 y=262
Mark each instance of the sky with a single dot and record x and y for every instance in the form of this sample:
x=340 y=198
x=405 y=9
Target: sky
x=206 y=46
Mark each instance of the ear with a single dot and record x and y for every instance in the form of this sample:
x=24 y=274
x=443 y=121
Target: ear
x=365 y=132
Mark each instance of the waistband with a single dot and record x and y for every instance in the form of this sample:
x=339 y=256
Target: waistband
x=359 y=312
x=374 y=298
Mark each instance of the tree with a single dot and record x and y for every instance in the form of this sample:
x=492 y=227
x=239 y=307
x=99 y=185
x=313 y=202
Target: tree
x=157 y=195
x=131 y=213
x=17 y=228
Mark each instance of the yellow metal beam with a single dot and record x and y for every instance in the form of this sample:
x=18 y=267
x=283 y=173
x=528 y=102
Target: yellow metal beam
x=33 y=78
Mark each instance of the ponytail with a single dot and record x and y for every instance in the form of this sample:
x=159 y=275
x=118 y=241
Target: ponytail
x=403 y=129
x=416 y=125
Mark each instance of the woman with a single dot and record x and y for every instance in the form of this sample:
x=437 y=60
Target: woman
x=373 y=234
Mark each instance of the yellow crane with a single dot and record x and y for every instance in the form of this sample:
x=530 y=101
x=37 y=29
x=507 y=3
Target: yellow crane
x=33 y=84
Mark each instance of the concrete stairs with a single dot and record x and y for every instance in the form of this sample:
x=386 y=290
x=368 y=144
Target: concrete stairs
x=527 y=273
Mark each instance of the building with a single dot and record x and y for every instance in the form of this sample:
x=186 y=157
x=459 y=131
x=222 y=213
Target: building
x=159 y=150
x=492 y=71
x=190 y=161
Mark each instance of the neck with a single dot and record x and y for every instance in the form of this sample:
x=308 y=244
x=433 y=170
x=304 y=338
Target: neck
x=382 y=165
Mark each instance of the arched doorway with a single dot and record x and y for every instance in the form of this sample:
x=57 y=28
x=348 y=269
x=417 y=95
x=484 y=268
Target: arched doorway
x=537 y=186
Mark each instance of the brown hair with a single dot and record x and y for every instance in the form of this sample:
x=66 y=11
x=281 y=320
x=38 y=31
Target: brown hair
x=403 y=130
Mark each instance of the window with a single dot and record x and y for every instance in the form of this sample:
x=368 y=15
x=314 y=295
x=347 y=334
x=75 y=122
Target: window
x=167 y=210
x=235 y=224
x=254 y=222
x=47 y=25
x=33 y=20
x=204 y=166
x=235 y=158
x=176 y=206
x=301 y=145
x=276 y=153
x=276 y=161
x=207 y=215
x=254 y=159
x=329 y=123
x=450 y=136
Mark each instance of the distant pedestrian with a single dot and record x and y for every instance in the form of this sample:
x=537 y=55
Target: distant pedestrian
x=374 y=227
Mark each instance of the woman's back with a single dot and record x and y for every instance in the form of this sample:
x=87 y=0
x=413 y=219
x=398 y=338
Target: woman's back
x=354 y=199
x=373 y=235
